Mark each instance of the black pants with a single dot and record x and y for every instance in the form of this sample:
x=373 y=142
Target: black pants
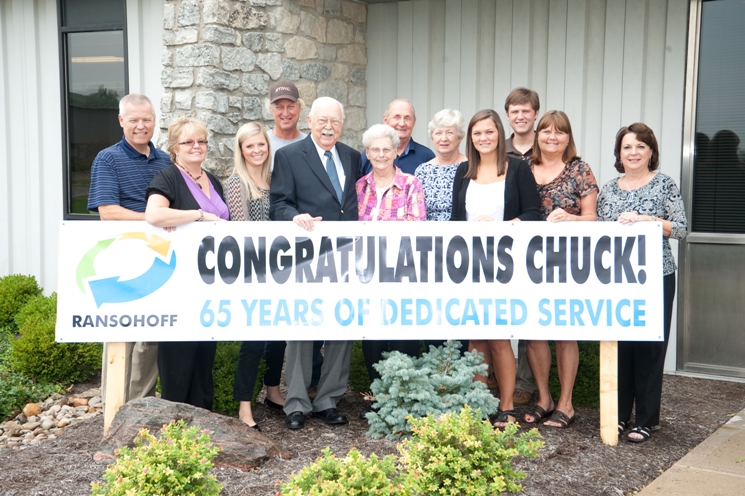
x=640 y=367
x=248 y=366
x=373 y=352
x=185 y=369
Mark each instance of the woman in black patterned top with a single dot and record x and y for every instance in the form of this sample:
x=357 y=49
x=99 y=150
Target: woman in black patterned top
x=248 y=200
x=568 y=192
x=643 y=195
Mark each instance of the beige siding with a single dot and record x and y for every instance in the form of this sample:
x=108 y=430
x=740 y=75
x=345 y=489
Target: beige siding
x=605 y=63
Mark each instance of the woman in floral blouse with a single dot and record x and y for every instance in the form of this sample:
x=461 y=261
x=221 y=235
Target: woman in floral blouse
x=387 y=194
x=568 y=192
x=643 y=195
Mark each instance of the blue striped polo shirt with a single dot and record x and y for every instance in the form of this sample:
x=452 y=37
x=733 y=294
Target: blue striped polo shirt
x=120 y=174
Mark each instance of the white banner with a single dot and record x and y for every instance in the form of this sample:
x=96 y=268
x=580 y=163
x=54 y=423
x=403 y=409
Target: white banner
x=235 y=281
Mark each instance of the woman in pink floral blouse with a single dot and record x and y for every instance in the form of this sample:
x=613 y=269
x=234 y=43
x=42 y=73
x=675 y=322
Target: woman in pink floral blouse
x=386 y=193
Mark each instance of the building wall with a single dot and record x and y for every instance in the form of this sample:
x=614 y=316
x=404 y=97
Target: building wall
x=221 y=57
x=605 y=63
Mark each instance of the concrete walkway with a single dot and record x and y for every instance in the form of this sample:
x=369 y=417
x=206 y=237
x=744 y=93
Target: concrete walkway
x=715 y=467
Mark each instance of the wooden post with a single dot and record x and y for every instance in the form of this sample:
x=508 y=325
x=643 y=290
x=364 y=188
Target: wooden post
x=116 y=382
x=609 y=392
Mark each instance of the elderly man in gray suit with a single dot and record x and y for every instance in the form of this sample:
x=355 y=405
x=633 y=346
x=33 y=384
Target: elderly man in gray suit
x=314 y=180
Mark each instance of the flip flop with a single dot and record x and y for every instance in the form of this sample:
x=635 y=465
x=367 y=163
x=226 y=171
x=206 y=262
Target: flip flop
x=560 y=418
x=644 y=432
x=538 y=413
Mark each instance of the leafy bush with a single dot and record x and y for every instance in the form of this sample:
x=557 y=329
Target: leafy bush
x=359 y=380
x=440 y=381
x=223 y=373
x=587 y=384
x=36 y=354
x=460 y=454
x=177 y=463
x=15 y=291
x=350 y=476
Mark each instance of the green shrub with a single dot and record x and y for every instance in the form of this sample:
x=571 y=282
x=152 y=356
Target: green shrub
x=223 y=373
x=440 y=381
x=177 y=463
x=587 y=384
x=36 y=354
x=15 y=291
x=16 y=390
x=359 y=380
x=460 y=454
x=351 y=476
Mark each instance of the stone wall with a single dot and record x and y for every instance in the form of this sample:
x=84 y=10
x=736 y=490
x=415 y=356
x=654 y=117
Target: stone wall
x=220 y=57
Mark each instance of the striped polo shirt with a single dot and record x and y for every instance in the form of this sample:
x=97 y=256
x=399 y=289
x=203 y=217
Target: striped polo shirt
x=120 y=174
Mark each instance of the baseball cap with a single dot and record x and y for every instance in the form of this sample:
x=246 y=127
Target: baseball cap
x=283 y=89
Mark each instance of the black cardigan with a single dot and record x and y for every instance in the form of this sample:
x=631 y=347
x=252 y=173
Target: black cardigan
x=521 y=198
x=171 y=184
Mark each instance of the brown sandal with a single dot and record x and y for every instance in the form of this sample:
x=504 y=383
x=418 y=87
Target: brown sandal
x=562 y=419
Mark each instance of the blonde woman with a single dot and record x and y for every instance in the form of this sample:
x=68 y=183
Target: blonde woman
x=248 y=200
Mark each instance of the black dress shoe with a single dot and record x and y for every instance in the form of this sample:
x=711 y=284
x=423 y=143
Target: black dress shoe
x=272 y=404
x=295 y=420
x=369 y=409
x=331 y=416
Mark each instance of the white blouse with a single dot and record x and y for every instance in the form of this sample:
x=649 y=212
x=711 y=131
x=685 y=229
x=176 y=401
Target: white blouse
x=485 y=199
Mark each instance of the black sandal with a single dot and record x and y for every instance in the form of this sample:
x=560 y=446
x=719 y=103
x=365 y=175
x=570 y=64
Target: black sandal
x=538 y=413
x=644 y=432
x=503 y=417
x=622 y=426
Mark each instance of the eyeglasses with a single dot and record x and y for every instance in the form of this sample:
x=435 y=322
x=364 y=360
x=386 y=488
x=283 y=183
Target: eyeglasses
x=322 y=121
x=376 y=151
x=190 y=143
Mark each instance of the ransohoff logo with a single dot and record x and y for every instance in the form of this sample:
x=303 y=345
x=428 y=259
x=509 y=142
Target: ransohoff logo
x=115 y=289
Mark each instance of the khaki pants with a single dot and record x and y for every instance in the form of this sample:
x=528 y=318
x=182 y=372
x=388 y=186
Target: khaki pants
x=141 y=362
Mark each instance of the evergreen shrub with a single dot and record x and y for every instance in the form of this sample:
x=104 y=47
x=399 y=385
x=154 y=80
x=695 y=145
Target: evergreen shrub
x=223 y=373
x=36 y=354
x=178 y=462
x=359 y=380
x=586 y=391
x=15 y=291
x=438 y=382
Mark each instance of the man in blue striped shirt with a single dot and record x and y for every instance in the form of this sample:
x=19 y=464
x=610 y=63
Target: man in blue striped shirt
x=119 y=176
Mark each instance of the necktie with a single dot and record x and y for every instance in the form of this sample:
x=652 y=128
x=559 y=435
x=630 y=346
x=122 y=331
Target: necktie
x=331 y=171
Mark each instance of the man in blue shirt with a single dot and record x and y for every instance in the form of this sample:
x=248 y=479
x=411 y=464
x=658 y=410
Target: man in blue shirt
x=400 y=116
x=119 y=176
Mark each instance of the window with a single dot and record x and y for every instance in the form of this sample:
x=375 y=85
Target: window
x=719 y=159
x=94 y=68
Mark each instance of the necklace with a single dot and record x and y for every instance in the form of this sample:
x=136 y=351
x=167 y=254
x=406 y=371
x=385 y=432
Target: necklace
x=632 y=193
x=196 y=179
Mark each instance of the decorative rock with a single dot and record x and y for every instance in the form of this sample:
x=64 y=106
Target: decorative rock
x=188 y=14
x=169 y=16
x=253 y=41
x=238 y=58
x=301 y=48
x=95 y=401
x=21 y=418
x=274 y=2
x=315 y=72
x=28 y=436
x=354 y=10
x=359 y=75
x=183 y=100
x=219 y=34
x=286 y=21
x=353 y=54
x=54 y=410
x=243 y=17
x=32 y=418
x=271 y=63
x=217 y=123
x=290 y=70
x=30 y=426
x=47 y=424
x=77 y=402
x=274 y=42
x=252 y=108
x=212 y=100
x=313 y=26
x=177 y=78
x=12 y=429
x=242 y=448
x=180 y=36
x=93 y=409
x=63 y=423
x=197 y=55
x=218 y=79
x=339 y=32
x=51 y=436
x=336 y=90
x=31 y=409
x=255 y=84
x=215 y=11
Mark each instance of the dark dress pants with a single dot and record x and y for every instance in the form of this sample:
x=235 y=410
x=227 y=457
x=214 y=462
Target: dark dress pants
x=248 y=366
x=640 y=367
x=186 y=372
x=373 y=351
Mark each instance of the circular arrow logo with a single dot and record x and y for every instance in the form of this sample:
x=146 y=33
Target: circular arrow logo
x=116 y=290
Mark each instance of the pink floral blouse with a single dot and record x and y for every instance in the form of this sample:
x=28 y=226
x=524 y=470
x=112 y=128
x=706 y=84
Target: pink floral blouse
x=403 y=200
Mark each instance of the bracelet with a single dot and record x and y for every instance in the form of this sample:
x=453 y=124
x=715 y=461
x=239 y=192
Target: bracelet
x=201 y=215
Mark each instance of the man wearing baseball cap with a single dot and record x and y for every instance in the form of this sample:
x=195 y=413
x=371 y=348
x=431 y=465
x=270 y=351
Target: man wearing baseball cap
x=285 y=106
